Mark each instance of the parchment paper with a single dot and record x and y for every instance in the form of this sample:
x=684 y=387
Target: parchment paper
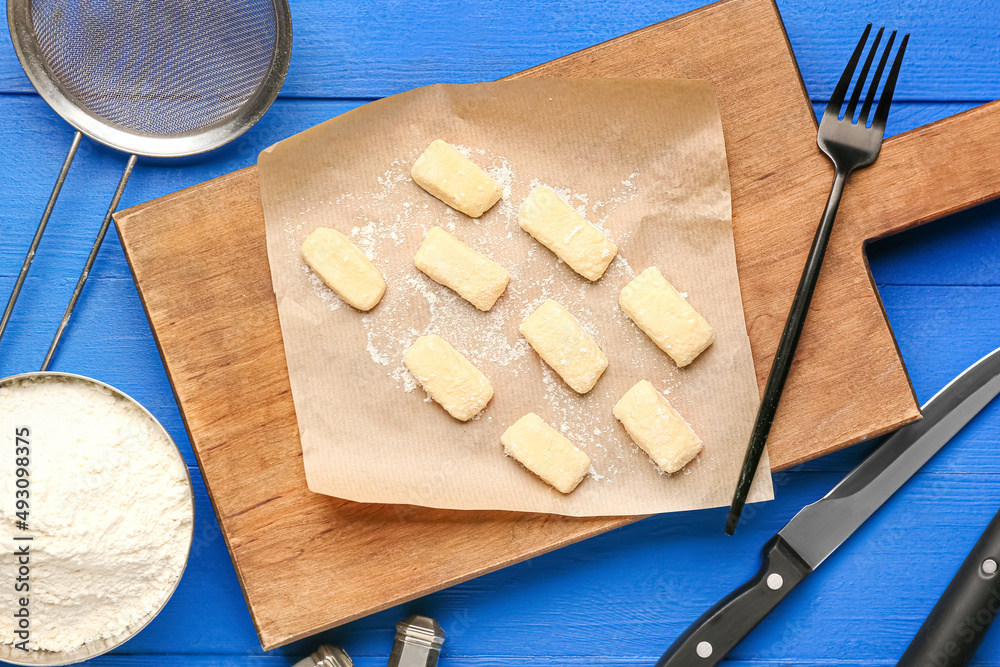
x=644 y=160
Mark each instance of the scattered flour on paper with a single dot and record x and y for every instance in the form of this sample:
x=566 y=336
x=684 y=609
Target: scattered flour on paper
x=404 y=213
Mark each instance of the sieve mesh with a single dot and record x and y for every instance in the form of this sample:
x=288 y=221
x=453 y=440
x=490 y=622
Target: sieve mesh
x=157 y=66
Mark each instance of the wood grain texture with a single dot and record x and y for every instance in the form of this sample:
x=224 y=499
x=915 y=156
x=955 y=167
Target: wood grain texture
x=222 y=348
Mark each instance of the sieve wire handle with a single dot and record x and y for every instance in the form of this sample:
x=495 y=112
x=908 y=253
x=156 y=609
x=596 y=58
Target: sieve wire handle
x=30 y=257
x=90 y=260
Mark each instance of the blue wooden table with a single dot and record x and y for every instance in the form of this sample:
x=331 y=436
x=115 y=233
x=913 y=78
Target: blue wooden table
x=621 y=598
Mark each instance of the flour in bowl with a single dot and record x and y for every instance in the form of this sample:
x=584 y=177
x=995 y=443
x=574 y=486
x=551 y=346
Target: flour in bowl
x=110 y=513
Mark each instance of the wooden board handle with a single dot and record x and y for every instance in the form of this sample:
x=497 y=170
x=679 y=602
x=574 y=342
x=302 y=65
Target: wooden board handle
x=928 y=173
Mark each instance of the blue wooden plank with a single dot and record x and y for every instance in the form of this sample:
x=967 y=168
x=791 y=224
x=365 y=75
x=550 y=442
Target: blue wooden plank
x=951 y=55
x=963 y=249
x=372 y=49
x=451 y=660
x=33 y=157
x=643 y=584
x=160 y=660
x=476 y=661
x=940 y=331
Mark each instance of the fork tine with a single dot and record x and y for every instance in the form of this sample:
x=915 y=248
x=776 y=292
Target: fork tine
x=860 y=85
x=882 y=112
x=840 y=91
x=870 y=98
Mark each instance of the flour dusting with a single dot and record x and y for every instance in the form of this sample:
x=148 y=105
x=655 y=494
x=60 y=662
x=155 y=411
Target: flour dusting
x=397 y=214
x=110 y=516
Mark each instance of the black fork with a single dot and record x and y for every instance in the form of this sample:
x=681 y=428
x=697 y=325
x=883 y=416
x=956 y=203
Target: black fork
x=850 y=144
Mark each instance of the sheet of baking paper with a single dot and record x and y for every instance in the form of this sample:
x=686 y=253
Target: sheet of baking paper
x=643 y=160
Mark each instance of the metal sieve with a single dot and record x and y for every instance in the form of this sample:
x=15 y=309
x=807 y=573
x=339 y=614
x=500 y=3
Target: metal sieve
x=159 y=79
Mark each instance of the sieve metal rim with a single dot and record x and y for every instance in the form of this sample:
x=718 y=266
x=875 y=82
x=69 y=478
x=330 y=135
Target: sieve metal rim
x=55 y=659
x=142 y=143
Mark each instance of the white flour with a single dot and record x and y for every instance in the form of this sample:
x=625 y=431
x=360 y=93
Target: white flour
x=110 y=513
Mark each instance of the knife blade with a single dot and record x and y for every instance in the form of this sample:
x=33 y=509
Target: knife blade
x=960 y=620
x=818 y=529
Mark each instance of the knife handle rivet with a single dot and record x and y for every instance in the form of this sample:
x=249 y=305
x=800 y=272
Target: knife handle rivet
x=774 y=580
x=703 y=649
x=989 y=566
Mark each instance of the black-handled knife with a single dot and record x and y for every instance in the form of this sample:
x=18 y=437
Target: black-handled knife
x=959 y=621
x=816 y=531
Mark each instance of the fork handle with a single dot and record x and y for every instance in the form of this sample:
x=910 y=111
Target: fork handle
x=785 y=354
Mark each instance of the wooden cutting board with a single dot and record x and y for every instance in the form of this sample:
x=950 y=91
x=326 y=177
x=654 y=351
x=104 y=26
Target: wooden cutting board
x=214 y=316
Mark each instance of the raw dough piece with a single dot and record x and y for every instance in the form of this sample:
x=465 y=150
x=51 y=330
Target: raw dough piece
x=562 y=230
x=344 y=268
x=546 y=452
x=448 y=377
x=455 y=179
x=477 y=278
x=664 y=315
x=560 y=340
x=655 y=426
